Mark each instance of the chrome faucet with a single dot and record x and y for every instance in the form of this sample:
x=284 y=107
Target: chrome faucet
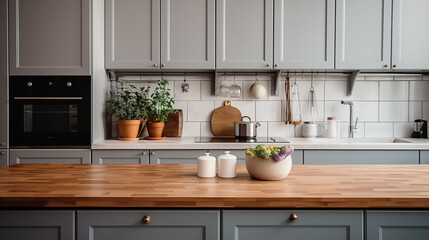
x=352 y=129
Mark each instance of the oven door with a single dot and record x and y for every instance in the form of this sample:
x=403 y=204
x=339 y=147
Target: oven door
x=50 y=121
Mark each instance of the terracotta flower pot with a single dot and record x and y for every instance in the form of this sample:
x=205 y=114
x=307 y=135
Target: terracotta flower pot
x=155 y=129
x=268 y=169
x=129 y=128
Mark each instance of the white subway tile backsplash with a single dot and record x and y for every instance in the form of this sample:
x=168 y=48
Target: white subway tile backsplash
x=402 y=130
x=191 y=129
x=262 y=131
x=419 y=90
x=193 y=93
x=280 y=129
x=408 y=77
x=200 y=110
x=206 y=130
x=394 y=91
x=206 y=91
x=305 y=111
x=336 y=109
x=184 y=106
x=415 y=111
x=366 y=111
x=304 y=90
x=375 y=77
x=363 y=91
x=378 y=130
x=426 y=110
x=425 y=77
x=268 y=111
x=393 y=111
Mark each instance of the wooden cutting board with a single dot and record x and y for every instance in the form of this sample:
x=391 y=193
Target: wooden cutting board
x=174 y=125
x=223 y=118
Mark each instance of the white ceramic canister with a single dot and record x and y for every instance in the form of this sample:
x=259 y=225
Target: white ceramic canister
x=309 y=130
x=206 y=166
x=331 y=131
x=227 y=165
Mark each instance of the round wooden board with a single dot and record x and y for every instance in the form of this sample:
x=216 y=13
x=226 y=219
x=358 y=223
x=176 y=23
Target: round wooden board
x=222 y=120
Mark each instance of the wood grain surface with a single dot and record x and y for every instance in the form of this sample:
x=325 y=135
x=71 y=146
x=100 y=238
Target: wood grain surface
x=307 y=186
x=222 y=120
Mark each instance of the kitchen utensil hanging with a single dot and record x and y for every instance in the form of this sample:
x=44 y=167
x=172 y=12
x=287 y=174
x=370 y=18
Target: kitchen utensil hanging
x=185 y=85
x=224 y=89
x=295 y=104
x=312 y=99
x=288 y=112
x=235 y=90
x=257 y=90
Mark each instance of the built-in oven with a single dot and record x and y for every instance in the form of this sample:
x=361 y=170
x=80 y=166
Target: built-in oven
x=50 y=111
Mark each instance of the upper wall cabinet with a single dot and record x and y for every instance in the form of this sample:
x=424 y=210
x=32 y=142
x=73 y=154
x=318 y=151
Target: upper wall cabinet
x=153 y=34
x=244 y=34
x=363 y=42
x=49 y=37
x=304 y=34
x=410 y=34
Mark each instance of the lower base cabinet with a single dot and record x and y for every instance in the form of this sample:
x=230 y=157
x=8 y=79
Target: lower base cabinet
x=37 y=225
x=138 y=225
x=361 y=157
x=302 y=225
x=397 y=225
x=4 y=158
x=120 y=156
x=61 y=156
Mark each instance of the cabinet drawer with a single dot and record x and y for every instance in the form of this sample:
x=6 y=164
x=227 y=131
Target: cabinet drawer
x=276 y=225
x=4 y=158
x=74 y=156
x=37 y=225
x=360 y=157
x=113 y=225
x=397 y=225
x=120 y=156
x=424 y=157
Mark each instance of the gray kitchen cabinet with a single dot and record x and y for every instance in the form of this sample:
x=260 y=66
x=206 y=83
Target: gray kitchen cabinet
x=4 y=158
x=244 y=34
x=112 y=225
x=37 y=225
x=49 y=37
x=424 y=157
x=410 y=34
x=361 y=157
x=75 y=156
x=276 y=225
x=154 y=34
x=363 y=42
x=120 y=156
x=297 y=157
x=175 y=156
x=397 y=225
x=3 y=76
x=304 y=34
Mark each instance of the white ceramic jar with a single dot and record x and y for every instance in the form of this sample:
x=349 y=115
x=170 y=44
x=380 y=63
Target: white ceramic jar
x=227 y=165
x=309 y=130
x=206 y=166
x=331 y=131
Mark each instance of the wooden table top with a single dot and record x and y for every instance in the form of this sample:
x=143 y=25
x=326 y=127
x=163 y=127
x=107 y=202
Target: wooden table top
x=159 y=186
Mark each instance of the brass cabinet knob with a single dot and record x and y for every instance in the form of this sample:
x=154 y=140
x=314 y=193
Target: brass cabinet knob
x=268 y=65
x=394 y=65
x=276 y=65
x=386 y=65
x=163 y=65
x=146 y=219
x=155 y=65
x=3 y=144
x=143 y=153
x=293 y=217
x=2 y=153
x=152 y=153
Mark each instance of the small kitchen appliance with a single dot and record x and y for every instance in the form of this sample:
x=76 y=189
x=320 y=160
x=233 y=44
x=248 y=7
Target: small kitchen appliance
x=245 y=129
x=420 y=129
x=50 y=111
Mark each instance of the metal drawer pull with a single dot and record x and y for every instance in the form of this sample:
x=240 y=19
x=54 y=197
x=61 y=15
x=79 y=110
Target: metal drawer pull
x=293 y=217
x=146 y=219
x=48 y=98
x=152 y=153
x=143 y=153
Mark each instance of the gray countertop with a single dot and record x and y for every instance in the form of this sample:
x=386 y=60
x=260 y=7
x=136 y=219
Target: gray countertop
x=298 y=143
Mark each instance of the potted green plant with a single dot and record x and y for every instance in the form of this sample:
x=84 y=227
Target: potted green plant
x=161 y=105
x=130 y=106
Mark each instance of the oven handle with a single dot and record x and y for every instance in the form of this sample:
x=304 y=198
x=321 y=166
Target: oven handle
x=47 y=98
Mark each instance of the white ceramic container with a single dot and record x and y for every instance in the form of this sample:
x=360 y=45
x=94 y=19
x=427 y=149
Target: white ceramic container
x=206 y=166
x=227 y=165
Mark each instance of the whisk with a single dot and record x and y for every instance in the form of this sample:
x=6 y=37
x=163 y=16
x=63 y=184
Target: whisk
x=312 y=100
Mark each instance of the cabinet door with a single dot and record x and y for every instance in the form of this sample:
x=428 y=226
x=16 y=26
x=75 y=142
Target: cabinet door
x=276 y=225
x=304 y=34
x=410 y=34
x=241 y=155
x=37 y=225
x=244 y=34
x=363 y=42
x=175 y=156
x=113 y=225
x=397 y=225
x=49 y=156
x=360 y=157
x=4 y=158
x=188 y=34
x=424 y=157
x=3 y=75
x=120 y=156
x=132 y=34
x=49 y=37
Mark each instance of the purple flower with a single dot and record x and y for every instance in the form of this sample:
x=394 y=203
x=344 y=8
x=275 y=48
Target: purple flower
x=289 y=150
x=278 y=158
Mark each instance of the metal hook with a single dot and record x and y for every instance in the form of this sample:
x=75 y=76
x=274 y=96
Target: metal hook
x=185 y=85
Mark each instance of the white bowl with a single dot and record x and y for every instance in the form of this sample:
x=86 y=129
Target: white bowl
x=268 y=169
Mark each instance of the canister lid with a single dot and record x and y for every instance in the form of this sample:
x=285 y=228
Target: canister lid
x=308 y=122
x=227 y=156
x=207 y=157
x=332 y=118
